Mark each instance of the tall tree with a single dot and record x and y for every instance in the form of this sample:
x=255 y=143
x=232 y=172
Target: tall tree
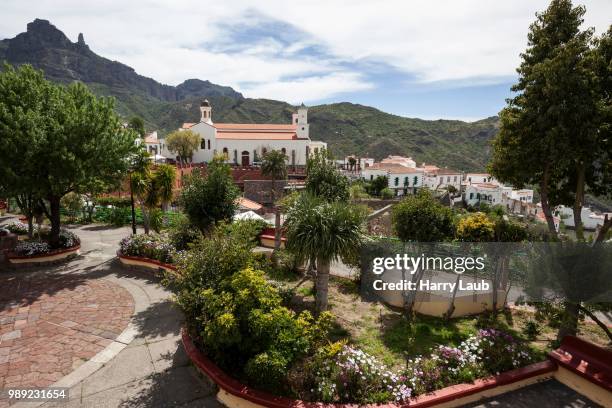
x=210 y=198
x=274 y=165
x=324 y=180
x=137 y=125
x=552 y=111
x=69 y=137
x=326 y=232
x=421 y=218
x=183 y=143
x=163 y=179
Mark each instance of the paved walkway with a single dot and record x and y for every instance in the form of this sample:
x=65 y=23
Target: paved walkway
x=547 y=394
x=130 y=358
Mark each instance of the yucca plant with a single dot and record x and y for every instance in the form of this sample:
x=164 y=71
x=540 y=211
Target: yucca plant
x=324 y=231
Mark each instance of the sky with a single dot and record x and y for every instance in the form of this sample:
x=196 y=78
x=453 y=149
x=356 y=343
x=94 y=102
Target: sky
x=431 y=59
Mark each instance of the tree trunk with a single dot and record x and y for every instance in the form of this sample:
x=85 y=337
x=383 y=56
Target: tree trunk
x=451 y=303
x=603 y=230
x=277 y=228
x=597 y=321
x=132 y=207
x=54 y=217
x=30 y=225
x=145 y=218
x=545 y=205
x=569 y=324
x=322 y=285
x=411 y=298
x=579 y=202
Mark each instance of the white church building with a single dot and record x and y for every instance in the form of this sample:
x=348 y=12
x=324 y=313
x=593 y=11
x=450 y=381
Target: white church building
x=245 y=143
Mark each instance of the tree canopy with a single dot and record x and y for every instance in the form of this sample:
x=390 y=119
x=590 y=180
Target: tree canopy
x=183 y=143
x=56 y=139
x=422 y=218
x=210 y=198
x=323 y=178
x=553 y=130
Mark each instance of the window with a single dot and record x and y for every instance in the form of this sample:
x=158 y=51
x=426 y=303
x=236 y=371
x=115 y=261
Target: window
x=406 y=182
x=293 y=157
x=225 y=153
x=371 y=177
x=455 y=179
x=416 y=180
x=203 y=144
x=209 y=145
x=471 y=196
x=448 y=179
x=284 y=151
x=235 y=156
x=397 y=181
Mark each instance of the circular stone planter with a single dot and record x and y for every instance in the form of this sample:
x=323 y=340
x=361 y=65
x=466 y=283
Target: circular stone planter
x=233 y=393
x=50 y=258
x=137 y=262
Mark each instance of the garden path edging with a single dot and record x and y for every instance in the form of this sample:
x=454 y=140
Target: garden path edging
x=231 y=390
x=43 y=259
x=145 y=263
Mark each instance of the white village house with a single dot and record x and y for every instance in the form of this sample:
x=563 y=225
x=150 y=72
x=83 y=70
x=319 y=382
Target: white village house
x=243 y=144
x=487 y=193
x=437 y=178
x=402 y=174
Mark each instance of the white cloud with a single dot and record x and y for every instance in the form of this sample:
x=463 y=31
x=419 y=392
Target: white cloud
x=310 y=88
x=435 y=41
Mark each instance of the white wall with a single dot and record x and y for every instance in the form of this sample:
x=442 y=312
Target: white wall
x=475 y=194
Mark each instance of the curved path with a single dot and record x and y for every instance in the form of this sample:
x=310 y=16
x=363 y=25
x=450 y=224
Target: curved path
x=110 y=335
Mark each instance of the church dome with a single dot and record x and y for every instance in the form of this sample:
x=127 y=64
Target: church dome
x=205 y=103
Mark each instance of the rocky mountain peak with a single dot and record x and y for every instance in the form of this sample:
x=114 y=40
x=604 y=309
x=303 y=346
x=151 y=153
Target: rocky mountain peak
x=44 y=33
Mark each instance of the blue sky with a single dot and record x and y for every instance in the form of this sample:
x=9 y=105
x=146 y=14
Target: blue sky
x=431 y=59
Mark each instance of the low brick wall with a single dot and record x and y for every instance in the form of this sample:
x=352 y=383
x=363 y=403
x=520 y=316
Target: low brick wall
x=54 y=258
x=233 y=393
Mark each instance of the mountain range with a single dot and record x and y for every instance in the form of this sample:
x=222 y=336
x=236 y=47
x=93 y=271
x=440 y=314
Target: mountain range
x=347 y=128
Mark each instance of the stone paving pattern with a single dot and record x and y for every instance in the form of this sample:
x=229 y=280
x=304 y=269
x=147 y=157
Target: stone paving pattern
x=49 y=325
x=151 y=368
x=547 y=394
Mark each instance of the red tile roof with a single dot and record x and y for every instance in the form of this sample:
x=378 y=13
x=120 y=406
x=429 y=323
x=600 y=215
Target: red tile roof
x=245 y=135
x=250 y=204
x=394 y=168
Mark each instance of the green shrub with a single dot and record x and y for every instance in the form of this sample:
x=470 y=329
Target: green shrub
x=386 y=193
x=248 y=230
x=156 y=219
x=243 y=326
x=150 y=246
x=531 y=329
x=114 y=201
x=120 y=216
x=182 y=233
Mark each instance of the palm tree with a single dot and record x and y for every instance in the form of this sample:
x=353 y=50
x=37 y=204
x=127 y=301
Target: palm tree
x=144 y=192
x=139 y=168
x=324 y=231
x=274 y=165
x=165 y=176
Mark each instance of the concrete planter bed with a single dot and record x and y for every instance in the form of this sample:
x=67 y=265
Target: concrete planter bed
x=49 y=258
x=137 y=262
x=566 y=364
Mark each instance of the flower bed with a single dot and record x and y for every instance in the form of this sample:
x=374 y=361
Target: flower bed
x=17 y=227
x=149 y=251
x=244 y=325
x=234 y=393
x=39 y=252
x=150 y=246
